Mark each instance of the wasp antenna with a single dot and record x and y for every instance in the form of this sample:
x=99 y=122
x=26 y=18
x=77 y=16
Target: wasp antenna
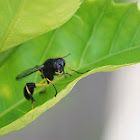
x=75 y=70
x=63 y=56
x=66 y=55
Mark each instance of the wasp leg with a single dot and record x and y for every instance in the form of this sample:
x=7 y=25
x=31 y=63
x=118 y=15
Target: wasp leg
x=43 y=84
x=41 y=74
x=75 y=70
x=43 y=81
x=38 y=84
x=66 y=74
x=28 y=91
x=61 y=74
x=53 y=85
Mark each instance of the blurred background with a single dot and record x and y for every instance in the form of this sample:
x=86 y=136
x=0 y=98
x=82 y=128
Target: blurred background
x=101 y=106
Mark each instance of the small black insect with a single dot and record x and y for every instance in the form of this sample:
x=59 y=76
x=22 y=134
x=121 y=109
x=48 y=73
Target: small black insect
x=51 y=67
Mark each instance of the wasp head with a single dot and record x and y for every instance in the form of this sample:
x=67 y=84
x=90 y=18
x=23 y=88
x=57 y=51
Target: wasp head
x=59 y=64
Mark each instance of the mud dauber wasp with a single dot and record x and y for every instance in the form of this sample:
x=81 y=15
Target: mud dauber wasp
x=51 y=67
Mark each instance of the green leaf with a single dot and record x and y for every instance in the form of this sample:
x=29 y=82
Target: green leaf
x=104 y=38
x=22 y=20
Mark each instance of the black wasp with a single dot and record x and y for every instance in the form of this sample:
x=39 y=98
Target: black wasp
x=51 y=67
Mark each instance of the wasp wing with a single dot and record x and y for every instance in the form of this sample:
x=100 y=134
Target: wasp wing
x=29 y=71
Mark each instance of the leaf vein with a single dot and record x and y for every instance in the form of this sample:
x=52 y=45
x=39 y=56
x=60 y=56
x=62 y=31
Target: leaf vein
x=90 y=37
x=134 y=36
x=46 y=51
x=118 y=28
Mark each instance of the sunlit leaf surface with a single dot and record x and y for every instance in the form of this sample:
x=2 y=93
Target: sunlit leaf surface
x=22 y=20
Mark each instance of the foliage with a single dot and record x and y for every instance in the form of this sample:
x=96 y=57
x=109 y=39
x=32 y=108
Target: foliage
x=101 y=36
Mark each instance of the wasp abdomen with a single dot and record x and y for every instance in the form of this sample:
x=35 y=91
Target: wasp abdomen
x=28 y=91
